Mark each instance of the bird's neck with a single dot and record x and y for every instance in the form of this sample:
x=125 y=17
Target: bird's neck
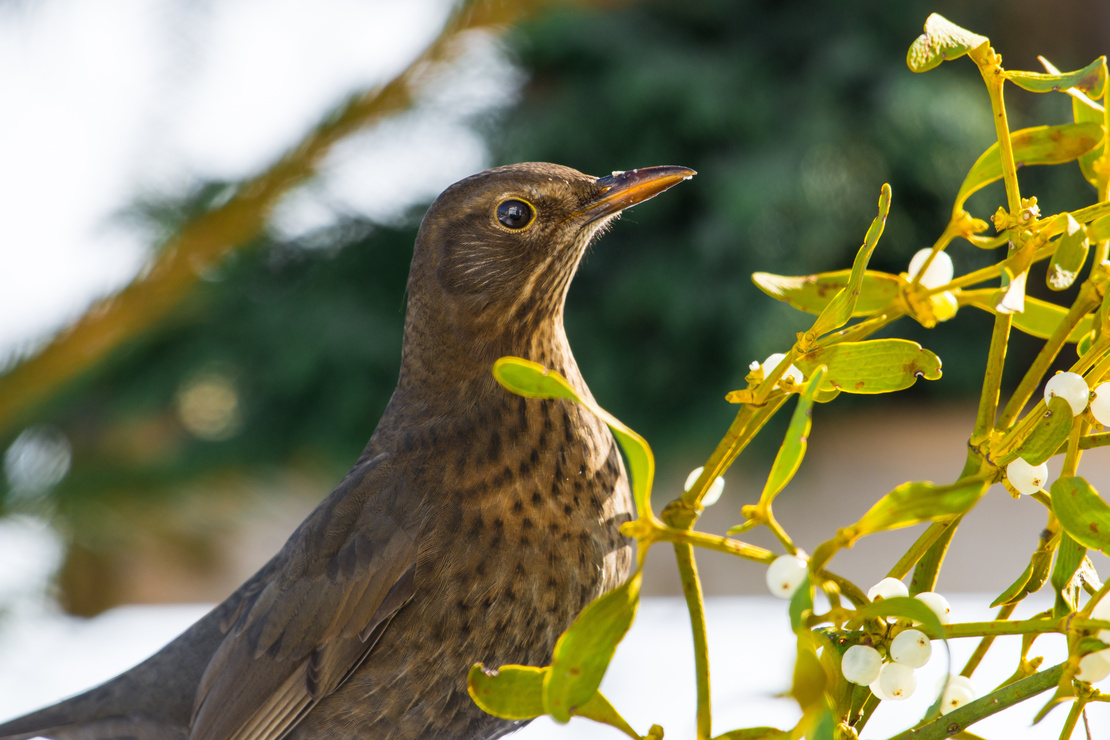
x=447 y=370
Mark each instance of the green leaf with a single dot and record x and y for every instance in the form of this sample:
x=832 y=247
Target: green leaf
x=1069 y=257
x=811 y=293
x=810 y=678
x=794 y=445
x=510 y=692
x=843 y=304
x=1099 y=229
x=516 y=692
x=532 y=380
x=1084 y=110
x=822 y=726
x=1091 y=79
x=1045 y=438
x=920 y=501
x=1065 y=583
x=583 y=652
x=943 y=40
x=800 y=603
x=903 y=607
x=1037 y=145
x=1032 y=578
x=1039 y=319
x=600 y=710
x=753 y=733
x=1082 y=512
x=873 y=366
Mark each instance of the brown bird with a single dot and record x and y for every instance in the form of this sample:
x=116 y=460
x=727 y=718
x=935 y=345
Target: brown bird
x=473 y=528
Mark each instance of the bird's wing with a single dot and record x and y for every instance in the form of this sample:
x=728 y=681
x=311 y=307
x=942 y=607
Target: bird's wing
x=339 y=580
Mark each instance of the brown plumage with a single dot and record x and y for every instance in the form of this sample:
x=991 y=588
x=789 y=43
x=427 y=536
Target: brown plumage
x=473 y=528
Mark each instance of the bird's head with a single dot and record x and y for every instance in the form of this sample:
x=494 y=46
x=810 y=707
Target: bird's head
x=496 y=252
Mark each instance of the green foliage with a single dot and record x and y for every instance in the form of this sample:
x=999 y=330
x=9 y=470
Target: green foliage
x=838 y=353
x=1082 y=512
x=793 y=447
x=1037 y=145
x=584 y=651
x=874 y=366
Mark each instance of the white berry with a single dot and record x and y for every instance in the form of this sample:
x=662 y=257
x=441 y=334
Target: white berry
x=911 y=647
x=938 y=604
x=1071 y=387
x=773 y=361
x=1026 y=478
x=878 y=691
x=940 y=269
x=1100 y=404
x=956 y=680
x=897 y=681
x=1094 y=666
x=888 y=588
x=785 y=574
x=713 y=494
x=861 y=664
x=955 y=696
x=1102 y=611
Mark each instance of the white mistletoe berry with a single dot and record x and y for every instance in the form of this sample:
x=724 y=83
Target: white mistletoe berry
x=911 y=647
x=713 y=494
x=861 y=664
x=773 y=361
x=1026 y=478
x=1071 y=387
x=896 y=681
x=888 y=588
x=1094 y=666
x=1100 y=404
x=785 y=575
x=958 y=690
x=938 y=604
x=940 y=269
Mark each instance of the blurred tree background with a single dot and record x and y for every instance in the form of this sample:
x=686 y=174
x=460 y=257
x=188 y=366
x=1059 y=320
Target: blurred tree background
x=267 y=374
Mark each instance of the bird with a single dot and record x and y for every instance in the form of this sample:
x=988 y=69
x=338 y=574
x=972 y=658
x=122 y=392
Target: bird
x=473 y=527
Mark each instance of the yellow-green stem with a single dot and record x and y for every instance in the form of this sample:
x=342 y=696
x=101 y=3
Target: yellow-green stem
x=865 y=328
x=695 y=604
x=1071 y=459
x=918 y=549
x=991 y=69
x=994 y=702
x=714 y=542
x=992 y=379
x=747 y=423
x=1073 y=718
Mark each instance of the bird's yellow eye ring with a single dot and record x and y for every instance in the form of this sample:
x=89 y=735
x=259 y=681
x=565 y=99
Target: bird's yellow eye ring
x=515 y=214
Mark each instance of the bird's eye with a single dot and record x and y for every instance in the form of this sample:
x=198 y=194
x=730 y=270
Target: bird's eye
x=515 y=214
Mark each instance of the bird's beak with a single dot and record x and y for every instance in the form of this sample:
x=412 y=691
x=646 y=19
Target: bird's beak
x=622 y=190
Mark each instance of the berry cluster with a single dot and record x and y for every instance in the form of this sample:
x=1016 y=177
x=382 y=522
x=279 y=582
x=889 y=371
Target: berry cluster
x=910 y=648
x=1072 y=387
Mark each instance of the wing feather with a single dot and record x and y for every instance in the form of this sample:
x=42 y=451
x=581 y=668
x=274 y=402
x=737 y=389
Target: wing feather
x=343 y=575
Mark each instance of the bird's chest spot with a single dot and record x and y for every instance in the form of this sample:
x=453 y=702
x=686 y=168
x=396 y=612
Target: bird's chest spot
x=535 y=534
